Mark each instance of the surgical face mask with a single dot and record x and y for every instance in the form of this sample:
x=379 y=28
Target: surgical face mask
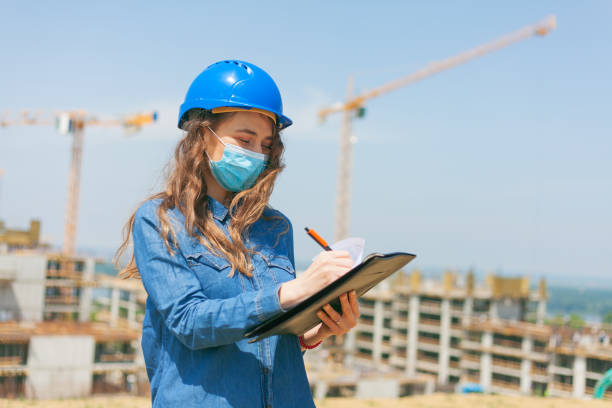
x=238 y=168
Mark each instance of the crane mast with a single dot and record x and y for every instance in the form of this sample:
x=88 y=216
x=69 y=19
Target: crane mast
x=345 y=166
x=74 y=123
x=74 y=188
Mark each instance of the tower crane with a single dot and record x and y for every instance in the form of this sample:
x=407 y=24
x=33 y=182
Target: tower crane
x=1 y=174
x=354 y=106
x=73 y=123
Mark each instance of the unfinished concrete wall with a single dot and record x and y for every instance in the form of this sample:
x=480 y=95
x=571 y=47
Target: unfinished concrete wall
x=87 y=291
x=60 y=366
x=508 y=309
x=22 y=296
x=377 y=388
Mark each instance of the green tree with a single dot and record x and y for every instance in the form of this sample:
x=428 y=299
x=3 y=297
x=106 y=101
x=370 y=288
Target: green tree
x=607 y=319
x=558 y=320
x=575 y=321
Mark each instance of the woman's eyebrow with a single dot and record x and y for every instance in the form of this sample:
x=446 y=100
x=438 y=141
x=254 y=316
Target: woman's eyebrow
x=251 y=132
x=247 y=131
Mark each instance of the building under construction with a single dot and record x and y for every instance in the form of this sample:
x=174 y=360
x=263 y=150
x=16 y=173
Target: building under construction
x=65 y=331
x=438 y=331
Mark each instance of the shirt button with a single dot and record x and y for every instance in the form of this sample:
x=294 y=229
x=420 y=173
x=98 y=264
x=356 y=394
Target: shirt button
x=268 y=406
x=265 y=370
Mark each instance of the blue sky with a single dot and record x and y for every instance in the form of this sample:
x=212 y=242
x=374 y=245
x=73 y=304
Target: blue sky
x=501 y=164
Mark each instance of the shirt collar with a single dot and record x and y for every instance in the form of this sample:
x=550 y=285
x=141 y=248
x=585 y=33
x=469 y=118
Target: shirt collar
x=219 y=211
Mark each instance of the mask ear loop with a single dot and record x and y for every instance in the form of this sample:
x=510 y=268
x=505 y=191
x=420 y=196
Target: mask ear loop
x=217 y=136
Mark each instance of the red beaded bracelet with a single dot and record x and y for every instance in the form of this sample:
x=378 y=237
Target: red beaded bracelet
x=306 y=346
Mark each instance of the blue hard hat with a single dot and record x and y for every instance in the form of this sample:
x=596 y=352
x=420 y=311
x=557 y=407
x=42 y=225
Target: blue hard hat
x=234 y=83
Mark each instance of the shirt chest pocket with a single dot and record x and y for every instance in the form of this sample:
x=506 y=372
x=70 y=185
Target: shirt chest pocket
x=280 y=267
x=213 y=273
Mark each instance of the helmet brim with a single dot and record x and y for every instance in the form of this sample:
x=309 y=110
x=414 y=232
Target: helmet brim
x=207 y=104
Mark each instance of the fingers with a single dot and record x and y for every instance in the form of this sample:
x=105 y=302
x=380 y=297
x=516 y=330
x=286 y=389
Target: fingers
x=334 y=259
x=354 y=304
x=326 y=268
x=340 y=324
x=339 y=254
x=333 y=256
x=332 y=313
x=347 y=311
x=345 y=263
x=334 y=268
x=333 y=327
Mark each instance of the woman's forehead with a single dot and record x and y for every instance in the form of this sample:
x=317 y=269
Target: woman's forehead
x=253 y=121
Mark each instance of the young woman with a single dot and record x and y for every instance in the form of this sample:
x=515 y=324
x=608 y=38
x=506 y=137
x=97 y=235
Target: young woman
x=216 y=260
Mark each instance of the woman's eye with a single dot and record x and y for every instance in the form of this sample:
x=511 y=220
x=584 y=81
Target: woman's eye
x=245 y=141
x=267 y=147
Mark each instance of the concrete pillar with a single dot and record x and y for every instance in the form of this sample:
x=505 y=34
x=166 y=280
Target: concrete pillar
x=468 y=310
x=430 y=387
x=60 y=366
x=141 y=375
x=413 y=329
x=579 y=376
x=378 y=331
x=114 y=318
x=396 y=324
x=542 y=296
x=86 y=291
x=349 y=347
x=486 y=361
x=132 y=310
x=320 y=390
x=444 y=355
x=487 y=339
x=493 y=315
x=541 y=312
x=526 y=347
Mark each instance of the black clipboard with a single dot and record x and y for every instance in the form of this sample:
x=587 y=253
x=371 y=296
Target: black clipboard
x=375 y=268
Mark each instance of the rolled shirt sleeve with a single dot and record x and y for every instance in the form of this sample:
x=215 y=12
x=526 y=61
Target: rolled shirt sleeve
x=196 y=320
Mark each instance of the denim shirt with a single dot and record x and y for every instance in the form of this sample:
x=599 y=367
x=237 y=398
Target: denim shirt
x=196 y=316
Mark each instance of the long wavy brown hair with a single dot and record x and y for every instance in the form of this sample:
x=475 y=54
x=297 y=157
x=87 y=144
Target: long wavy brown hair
x=186 y=190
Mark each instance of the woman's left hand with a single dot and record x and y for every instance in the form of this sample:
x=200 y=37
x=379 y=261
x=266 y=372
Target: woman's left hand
x=333 y=322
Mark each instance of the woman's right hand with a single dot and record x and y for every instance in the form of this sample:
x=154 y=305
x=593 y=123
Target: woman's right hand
x=326 y=268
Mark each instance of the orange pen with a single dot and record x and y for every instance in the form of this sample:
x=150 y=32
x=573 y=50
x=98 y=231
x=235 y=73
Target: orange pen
x=318 y=239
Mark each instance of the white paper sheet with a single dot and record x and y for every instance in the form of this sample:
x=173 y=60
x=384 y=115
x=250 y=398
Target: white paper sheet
x=353 y=245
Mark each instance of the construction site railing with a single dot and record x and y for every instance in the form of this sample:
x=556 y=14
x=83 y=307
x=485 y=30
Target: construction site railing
x=506 y=363
x=506 y=384
x=562 y=386
x=507 y=343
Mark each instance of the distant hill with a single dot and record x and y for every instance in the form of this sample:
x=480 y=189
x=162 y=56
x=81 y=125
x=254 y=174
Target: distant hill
x=105 y=268
x=591 y=304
